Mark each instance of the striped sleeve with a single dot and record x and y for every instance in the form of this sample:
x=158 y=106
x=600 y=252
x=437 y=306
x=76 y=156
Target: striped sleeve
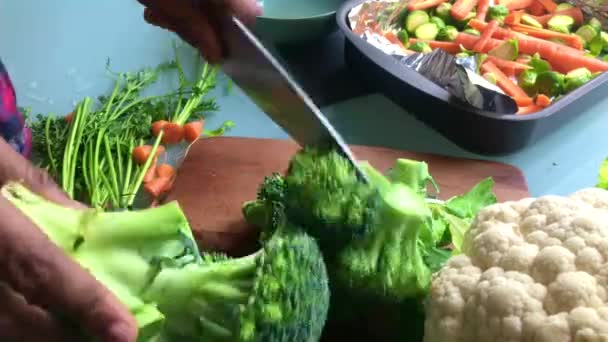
x=12 y=123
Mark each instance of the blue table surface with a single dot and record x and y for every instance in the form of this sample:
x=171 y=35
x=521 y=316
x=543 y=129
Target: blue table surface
x=56 y=55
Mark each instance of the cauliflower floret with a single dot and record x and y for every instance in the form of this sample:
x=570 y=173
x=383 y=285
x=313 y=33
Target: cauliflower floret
x=533 y=270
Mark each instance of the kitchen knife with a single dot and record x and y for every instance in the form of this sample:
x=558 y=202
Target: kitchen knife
x=253 y=68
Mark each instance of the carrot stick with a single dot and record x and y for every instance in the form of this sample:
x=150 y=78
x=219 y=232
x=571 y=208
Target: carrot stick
x=543 y=100
x=508 y=86
x=165 y=170
x=141 y=153
x=150 y=173
x=501 y=63
x=424 y=4
x=529 y=109
x=571 y=39
x=461 y=8
x=549 y=5
x=536 y=8
x=485 y=37
x=523 y=101
x=514 y=17
x=158 y=186
x=174 y=133
x=513 y=5
x=482 y=9
x=575 y=13
x=158 y=126
x=469 y=40
x=193 y=130
x=450 y=47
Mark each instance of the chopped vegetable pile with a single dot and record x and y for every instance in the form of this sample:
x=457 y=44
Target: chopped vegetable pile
x=534 y=50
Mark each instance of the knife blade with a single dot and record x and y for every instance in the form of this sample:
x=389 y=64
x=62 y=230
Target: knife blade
x=255 y=70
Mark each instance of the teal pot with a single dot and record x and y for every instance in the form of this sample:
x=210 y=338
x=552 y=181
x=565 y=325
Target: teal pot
x=295 y=21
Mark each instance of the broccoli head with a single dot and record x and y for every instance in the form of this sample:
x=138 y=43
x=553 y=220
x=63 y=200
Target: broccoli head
x=325 y=195
x=150 y=261
x=267 y=212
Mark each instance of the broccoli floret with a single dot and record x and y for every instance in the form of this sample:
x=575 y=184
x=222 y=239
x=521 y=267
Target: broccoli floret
x=325 y=195
x=266 y=212
x=498 y=12
x=389 y=261
x=150 y=261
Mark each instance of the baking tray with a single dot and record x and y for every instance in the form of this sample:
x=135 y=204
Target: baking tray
x=475 y=130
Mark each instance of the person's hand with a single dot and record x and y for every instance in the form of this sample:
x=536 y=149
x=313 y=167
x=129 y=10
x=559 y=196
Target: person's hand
x=37 y=278
x=196 y=21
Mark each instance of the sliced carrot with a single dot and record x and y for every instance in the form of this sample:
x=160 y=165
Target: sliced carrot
x=486 y=35
x=575 y=13
x=508 y=86
x=68 y=118
x=141 y=153
x=528 y=109
x=549 y=5
x=523 y=101
x=513 y=5
x=469 y=40
x=165 y=170
x=193 y=130
x=158 y=126
x=514 y=17
x=174 y=133
x=536 y=8
x=502 y=63
x=543 y=100
x=449 y=47
x=424 y=4
x=150 y=173
x=482 y=9
x=564 y=62
x=461 y=8
x=158 y=186
x=572 y=40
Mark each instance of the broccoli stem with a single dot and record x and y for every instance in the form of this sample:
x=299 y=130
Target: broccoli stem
x=211 y=293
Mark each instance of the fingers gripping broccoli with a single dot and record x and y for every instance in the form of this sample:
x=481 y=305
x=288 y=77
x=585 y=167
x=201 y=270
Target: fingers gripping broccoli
x=150 y=261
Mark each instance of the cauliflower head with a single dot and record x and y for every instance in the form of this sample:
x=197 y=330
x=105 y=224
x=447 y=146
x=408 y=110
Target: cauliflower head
x=530 y=270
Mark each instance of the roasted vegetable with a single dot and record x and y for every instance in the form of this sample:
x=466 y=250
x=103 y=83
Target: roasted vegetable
x=577 y=78
x=448 y=34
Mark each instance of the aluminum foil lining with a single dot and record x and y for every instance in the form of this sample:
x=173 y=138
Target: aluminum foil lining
x=457 y=75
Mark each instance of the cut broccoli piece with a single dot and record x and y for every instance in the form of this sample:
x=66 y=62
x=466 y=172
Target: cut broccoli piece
x=413 y=173
x=150 y=261
x=389 y=261
x=550 y=83
x=325 y=195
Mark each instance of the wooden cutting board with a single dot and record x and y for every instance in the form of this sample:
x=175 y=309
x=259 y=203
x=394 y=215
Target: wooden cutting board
x=219 y=174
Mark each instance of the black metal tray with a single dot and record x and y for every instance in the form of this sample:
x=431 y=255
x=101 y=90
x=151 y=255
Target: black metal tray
x=472 y=129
